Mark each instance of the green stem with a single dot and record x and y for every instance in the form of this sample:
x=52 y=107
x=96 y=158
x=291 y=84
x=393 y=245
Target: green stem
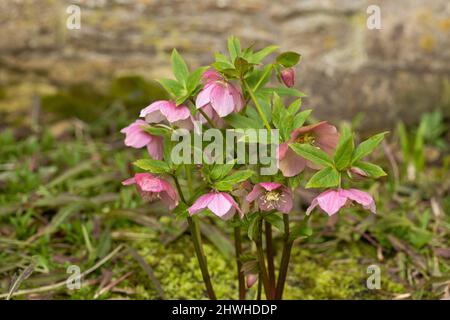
x=196 y=239
x=257 y=105
x=263 y=77
x=238 y=248
x=262 y=263
x=285 y=257
x=270 y=257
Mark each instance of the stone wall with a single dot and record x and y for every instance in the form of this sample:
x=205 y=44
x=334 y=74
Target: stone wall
x=396 y=72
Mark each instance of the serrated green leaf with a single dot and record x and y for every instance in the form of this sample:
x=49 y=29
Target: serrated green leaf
x=370 y=169
x=325 y=178
x=179 y=67
x=367 y=146
x=288 y=59
x=312 y=154
x=153 y=166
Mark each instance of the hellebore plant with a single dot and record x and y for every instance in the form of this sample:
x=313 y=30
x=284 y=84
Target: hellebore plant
x=237 y=92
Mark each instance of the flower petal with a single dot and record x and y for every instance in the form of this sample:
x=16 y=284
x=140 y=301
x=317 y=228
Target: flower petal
x=201 y=203
x=331 y=201
x=292 y=164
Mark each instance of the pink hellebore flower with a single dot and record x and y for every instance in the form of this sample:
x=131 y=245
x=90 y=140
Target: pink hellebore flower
x=220 y=203
x=288 y=77
x=271 y=196
x=321 y=135
x=167 y=110
x=152 y=188
x=331 y=201
x=137 y=137
x=221 y=95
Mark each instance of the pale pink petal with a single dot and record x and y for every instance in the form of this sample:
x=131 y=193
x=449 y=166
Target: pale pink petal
x=233 y=202
x=204 y=97
x=311 y=207
x=219 y=205
x=152 y=112
x=170 y=202
x=156 y=148
x=129 y=181
x=363 y=198
x=251 y=280
x=282 y=149
x=175 y=113
x=222 y=99
x=135 y=136
x=237 y=97
x=331 y=201
x=148 y=182
x=201 y=203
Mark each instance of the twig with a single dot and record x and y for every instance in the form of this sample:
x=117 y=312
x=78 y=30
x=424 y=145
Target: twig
x=144 y=265
x=63 y=283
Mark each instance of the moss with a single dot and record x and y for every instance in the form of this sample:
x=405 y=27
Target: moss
x=312 y=275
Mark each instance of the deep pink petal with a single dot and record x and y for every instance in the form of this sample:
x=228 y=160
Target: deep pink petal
x=255 y=193
x=269 y=186
x=286 y=202
x=292 y=164
x=210 y=76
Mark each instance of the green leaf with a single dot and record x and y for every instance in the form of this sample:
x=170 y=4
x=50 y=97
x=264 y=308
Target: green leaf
x=300 y=231
x=179 y=67
x=312 y=153
x=252 y=231
x=300 y=118
x=227 y=183
x=221 y=170
x=234 y=48
x=288 y=59
x=156 y=131
x=284 y=92
x=153 y=166
x=276 y=220
x=344 y=150
x=242 y=66
x=367 y=146
x=239 y=121
x=172 y=87
x=194 y=79
x=372 y=170
x=295 y=106
x=261 y=54
x=325 y=178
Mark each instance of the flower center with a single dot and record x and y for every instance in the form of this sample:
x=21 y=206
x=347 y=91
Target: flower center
x=272 y=196
x=308 y=138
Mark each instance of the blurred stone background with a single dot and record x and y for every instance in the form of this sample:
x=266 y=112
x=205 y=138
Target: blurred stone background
x=394 y=73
